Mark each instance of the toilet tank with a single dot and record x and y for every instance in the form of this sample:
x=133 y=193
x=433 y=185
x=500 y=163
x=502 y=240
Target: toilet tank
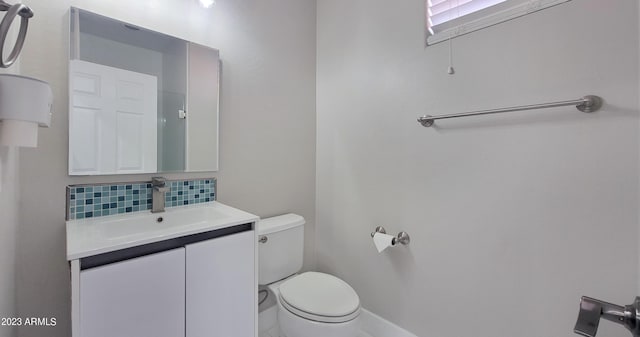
x=280 y=254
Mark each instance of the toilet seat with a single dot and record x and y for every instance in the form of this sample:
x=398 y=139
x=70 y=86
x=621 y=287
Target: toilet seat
x=320 y=297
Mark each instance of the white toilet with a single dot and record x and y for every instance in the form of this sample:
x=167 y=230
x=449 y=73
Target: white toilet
x=310 y=304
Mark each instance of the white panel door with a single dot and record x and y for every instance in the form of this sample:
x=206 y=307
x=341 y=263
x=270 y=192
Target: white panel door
x=141 y=297
x=112 y=120
x=89 y=106
x=221 y=287
x=136 y=120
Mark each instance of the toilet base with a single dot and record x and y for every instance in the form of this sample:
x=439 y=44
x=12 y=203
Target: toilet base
x=295 y=326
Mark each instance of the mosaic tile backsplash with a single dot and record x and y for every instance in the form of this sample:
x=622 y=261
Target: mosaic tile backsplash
x=89 y=201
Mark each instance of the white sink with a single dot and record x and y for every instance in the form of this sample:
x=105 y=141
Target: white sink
x=115 y=228
x=86 y=237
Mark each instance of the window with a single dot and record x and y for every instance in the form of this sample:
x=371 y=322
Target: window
x=450 y=18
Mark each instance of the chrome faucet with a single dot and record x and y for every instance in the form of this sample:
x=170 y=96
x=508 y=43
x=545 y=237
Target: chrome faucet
x=592 y=309
x=159 y=185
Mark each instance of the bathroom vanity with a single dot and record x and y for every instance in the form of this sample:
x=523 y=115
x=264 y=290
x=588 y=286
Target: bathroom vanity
x=190 y=271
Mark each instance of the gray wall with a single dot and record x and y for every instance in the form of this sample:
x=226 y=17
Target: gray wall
x=512 y=217
x=267 y=125
x=115 y=54
x=8 y=229
x=9 y=207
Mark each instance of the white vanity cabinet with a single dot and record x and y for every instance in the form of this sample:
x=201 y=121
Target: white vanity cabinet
x=137 y=297
x=221 y=292
x=192 y=283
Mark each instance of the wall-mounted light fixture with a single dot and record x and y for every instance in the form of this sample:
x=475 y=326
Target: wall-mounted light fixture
x=25 y=105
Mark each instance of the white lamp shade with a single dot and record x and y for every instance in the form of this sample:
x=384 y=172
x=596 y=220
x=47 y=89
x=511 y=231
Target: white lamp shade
x=25 y=99
x=25 y=104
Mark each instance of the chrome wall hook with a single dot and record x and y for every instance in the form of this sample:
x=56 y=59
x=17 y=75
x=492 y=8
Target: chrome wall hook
x=402 y=237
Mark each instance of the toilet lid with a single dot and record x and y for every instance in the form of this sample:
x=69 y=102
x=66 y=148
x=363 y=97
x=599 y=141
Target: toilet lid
x=320 y=297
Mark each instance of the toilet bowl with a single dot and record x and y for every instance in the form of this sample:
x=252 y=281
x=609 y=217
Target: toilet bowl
x=310 y=304
x=316 y=304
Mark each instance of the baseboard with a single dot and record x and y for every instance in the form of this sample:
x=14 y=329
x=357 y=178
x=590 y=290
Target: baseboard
x=377 y=326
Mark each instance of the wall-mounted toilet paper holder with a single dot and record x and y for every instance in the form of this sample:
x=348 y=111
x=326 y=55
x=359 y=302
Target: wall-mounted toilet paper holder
x=402 y=237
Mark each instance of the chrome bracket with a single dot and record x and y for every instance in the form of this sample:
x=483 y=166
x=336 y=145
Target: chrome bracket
x=591 y=103
x=426 y=121
x=591 y=310
x=379 y=229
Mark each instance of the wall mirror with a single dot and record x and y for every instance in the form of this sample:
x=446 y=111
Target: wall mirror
x=139 y=101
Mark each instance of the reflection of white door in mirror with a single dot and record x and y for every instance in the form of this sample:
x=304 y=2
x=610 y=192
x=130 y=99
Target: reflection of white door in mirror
x=187 y=79
x=112 y=120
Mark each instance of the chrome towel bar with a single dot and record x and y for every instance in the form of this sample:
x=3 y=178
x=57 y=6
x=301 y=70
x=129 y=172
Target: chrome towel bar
x=589 y=103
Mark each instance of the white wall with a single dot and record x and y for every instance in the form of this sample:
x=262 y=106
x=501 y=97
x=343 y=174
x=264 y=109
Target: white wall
x=267 y=164
x=8 y=227
x=512 y=217
x=9 y=206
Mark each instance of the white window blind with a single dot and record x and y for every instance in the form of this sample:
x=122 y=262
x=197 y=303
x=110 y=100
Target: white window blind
x=451 y=18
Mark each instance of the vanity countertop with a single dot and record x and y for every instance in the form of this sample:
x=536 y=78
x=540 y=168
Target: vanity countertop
x=88 y=237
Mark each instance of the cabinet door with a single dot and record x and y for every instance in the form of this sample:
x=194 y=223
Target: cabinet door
x=222 y=287
x=141 y=297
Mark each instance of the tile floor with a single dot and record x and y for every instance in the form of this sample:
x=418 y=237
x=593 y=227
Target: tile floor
x=267 y=334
